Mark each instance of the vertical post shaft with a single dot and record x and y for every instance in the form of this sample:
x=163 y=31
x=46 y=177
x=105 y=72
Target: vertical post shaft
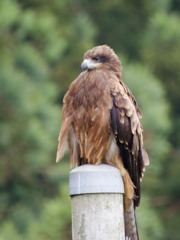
x=97 y=203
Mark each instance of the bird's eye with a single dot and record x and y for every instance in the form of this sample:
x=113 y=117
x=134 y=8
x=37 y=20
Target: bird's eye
x=95 y=58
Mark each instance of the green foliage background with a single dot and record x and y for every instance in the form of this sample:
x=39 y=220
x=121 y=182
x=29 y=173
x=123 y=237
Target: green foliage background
x=41 y=49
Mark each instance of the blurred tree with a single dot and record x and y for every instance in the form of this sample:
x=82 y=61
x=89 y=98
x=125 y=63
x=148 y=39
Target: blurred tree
x=175 y=5
x=29 y=123
x=149 y=222
x=28 y=116
x=120 y=24
x=162 y=55
x=54 y=223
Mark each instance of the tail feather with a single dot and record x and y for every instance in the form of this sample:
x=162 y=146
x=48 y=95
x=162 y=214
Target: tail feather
x=131 y=230
x=63 y=139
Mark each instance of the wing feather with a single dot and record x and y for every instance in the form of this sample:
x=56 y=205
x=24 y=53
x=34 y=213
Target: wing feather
x=127 y=129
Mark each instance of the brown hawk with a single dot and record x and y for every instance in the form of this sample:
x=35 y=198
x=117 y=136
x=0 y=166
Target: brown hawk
x=100 y=124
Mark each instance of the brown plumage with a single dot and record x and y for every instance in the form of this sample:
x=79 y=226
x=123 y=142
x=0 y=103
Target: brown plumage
x=101 y=122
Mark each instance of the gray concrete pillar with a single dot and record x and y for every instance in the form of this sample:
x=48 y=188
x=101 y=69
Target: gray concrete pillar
x=97 y=203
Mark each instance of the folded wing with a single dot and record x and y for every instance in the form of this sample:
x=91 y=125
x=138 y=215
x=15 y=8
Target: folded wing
x=127 y=129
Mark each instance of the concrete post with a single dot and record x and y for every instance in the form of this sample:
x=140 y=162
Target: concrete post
x=97 y=203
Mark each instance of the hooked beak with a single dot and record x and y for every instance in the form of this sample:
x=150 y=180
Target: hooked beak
x=89 y=64
x=84 y=66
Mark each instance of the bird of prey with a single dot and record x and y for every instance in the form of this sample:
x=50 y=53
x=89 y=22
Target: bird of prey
x=100 y=124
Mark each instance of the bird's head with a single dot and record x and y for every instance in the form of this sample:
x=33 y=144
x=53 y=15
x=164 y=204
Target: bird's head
x=101 y=57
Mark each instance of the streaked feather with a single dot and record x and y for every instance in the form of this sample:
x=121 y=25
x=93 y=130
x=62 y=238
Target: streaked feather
x=129 y=133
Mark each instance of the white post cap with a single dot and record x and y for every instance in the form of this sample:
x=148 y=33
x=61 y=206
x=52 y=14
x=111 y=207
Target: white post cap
x=89 y=178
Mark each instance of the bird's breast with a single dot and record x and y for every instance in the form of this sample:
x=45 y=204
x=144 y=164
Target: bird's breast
x=91 y=119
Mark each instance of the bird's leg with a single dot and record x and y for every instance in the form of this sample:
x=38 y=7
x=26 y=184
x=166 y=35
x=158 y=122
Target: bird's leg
x=128 y=184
